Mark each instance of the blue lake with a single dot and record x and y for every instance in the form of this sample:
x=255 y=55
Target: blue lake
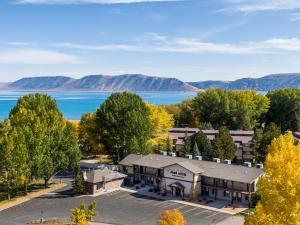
x=74 y=104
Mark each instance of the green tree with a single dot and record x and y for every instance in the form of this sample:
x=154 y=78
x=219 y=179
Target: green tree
x=124 y=125
x=223 y=145
x=169 y=145
x=285 y=108
x=78 y=184
x=186 y=148
x=262 y=139
x=234 y=109
x=12 y=158
x=88 y=135
x=195 y=151
x=82 y=215
x=49 y=140
x=204 y=145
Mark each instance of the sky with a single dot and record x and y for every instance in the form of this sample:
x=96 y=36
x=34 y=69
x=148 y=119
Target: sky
x=192 y=40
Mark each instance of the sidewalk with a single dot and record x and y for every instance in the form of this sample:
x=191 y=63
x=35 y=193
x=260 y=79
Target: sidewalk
x=148 y=194
x=19 y=200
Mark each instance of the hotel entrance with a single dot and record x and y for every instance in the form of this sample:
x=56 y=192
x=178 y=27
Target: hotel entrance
x=177 y=189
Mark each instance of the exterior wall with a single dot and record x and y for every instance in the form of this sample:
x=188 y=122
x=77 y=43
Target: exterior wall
x=187 y=185
x=179 y=173
x=113 y=184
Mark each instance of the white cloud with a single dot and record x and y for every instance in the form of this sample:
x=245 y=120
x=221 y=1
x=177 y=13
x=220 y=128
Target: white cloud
x=295 y=17
x=36 y=57
x=153 y=42
x=262 y=5
x=158 y=43
x=69 y=2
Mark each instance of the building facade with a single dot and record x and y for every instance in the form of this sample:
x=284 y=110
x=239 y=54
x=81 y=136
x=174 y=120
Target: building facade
x=241 y=138
x=193 y=179
x=97 y=181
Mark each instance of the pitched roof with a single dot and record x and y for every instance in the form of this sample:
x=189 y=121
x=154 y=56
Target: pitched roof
x=96 y=176
x=207 y=168
x=128 y=160
x=189 y=166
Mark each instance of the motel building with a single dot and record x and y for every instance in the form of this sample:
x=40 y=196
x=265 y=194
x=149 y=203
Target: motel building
x=192 y=179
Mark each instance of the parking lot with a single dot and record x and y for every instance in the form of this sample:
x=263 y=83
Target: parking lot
x=118 y=207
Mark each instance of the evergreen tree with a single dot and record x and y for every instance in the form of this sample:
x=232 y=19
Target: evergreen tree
x=169 y=145
x=262 y=139
x=186 y=144
x=223 y=145
x=195 y=151
x=204 y=145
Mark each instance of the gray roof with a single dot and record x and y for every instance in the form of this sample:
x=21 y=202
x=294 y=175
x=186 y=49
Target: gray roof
x=207 y=168
x=128 y=160
x=191 y=167
x=96 y=176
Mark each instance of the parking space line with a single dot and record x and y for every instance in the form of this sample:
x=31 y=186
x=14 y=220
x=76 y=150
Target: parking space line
x=183 y=206
x=160 y=203
x=122 y=195
x=190 y=210
x=214 y=214
x=201 y=212
x=148 y=201
x=169 y=204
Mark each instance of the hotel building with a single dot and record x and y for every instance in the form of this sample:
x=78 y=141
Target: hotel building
x=192 y=178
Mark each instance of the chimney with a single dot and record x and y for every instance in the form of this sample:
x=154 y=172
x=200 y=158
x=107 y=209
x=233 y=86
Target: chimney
x=259 y=165
x=189 y=156
x=198 y=157
x=164 y=153
x=227 y=161
x=216 y=160
x=84 y=175
x=247 y=164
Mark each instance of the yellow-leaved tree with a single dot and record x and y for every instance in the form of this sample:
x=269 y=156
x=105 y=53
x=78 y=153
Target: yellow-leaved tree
x=280 y=186
x=171 y=217
x=161 y=121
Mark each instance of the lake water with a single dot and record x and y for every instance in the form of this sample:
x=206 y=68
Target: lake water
x=74 y=104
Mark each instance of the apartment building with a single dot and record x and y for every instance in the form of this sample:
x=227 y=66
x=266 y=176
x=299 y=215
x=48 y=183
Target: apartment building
x=241 y=138
x=193 y=178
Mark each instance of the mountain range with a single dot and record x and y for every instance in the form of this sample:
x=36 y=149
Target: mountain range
x=138 y=82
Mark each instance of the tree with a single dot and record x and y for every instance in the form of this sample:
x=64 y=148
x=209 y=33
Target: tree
x=285 y=108
x=240 y=109
x=204 y=145
x=82 y=215
x=195 y=151
x=169 y=145
x=186 y=144
x=160 y=123
x=78 y=184
x=171 y=217
x=12 y=158
x=262 y=139
x=88 y=135
x=124 y=125
x=49 y=140
x=279 y=188
x=223 y=145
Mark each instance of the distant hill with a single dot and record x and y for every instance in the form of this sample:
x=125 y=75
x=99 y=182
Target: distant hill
x=138 y=82
x=266 y=83
x=127 y=82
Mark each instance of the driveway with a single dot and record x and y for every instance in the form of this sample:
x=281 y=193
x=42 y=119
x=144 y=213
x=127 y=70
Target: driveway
x=118 y=207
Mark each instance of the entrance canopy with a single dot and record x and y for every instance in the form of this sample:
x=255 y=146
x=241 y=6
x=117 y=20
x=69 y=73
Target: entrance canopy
x=177 y=185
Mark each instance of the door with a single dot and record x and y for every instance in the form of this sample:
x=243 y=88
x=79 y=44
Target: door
x=177 y=191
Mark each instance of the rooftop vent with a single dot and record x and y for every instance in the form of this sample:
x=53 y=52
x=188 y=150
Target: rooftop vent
x=259 y=165
x=198 y=157
x=247 y=164
x=216 y=160
x=189 y=156
x=173 y=154
x=164 y=153
x=227 y=161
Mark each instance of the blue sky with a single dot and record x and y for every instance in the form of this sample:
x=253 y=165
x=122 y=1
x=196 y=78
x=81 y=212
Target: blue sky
x=192 y=40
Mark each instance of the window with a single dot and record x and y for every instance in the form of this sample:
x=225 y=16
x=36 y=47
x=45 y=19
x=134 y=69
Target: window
x=213 y=191
x=226 y=193
x=224 y=183
x=99 y=186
